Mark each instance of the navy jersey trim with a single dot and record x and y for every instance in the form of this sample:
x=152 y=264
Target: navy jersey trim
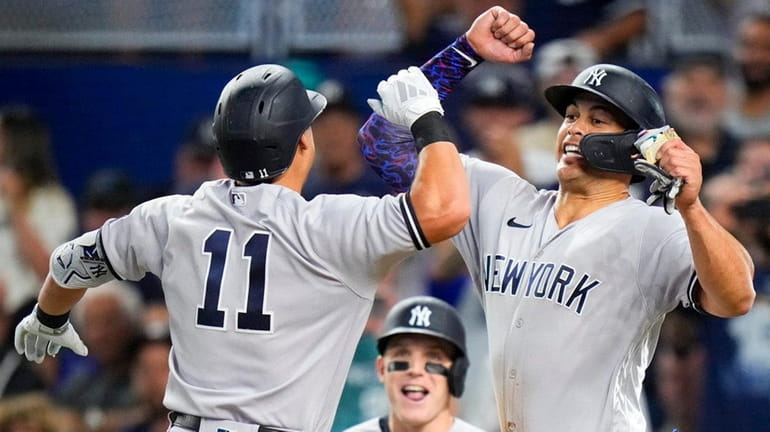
x=106 y=258
x=384 y=424
x=693 y=292
x=412 y=225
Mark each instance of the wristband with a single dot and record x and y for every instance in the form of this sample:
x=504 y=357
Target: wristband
x=52 y=321
x=429 y=128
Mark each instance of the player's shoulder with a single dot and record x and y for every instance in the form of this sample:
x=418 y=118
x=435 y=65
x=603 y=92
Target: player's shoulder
x=492 y=175
x=650 y=221
x=371 y=425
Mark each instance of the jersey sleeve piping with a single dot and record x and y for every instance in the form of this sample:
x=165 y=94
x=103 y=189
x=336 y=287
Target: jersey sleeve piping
x=692 y=292
x=412 y=224
x=107 y=258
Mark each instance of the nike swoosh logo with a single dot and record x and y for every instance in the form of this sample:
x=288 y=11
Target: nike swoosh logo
x=472 y=62
x=513 y=224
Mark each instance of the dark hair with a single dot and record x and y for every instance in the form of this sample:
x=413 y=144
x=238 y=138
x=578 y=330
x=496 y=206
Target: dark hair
x=27 y=148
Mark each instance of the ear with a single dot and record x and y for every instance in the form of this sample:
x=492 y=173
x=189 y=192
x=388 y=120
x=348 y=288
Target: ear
x=306 y=139
x=380 y=366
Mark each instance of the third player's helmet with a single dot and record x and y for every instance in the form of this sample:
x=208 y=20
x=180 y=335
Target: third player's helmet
x=258 y=121
x=630 y=94
x=433 y=317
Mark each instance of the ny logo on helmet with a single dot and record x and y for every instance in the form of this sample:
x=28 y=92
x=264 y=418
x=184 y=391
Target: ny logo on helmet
x=595 y=78
x=420 y=316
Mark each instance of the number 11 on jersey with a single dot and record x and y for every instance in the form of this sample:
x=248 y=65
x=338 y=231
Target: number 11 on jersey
x=255 y=252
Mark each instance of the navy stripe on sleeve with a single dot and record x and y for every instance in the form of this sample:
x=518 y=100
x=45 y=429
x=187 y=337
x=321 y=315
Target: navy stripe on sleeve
x=106 y=258
x=692 y=293
x=412 y=225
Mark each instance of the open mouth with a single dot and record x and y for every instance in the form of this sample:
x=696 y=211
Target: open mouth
x=572 y=150
x=414 y=393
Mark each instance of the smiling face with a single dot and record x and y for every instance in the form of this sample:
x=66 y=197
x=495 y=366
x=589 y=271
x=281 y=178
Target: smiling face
x=588 y=114
x=417 y=397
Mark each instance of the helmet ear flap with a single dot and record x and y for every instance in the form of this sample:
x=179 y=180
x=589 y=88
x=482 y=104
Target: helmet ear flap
x=612 y=152
x=457 y=374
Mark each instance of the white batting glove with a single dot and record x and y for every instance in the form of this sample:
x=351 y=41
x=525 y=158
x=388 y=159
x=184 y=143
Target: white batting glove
x=33 y=339
x=405 y=97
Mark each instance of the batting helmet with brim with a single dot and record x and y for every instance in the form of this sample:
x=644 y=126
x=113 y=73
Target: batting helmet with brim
x=426 y=315
x=626 y=91
x=259 y=118
x=617 y=85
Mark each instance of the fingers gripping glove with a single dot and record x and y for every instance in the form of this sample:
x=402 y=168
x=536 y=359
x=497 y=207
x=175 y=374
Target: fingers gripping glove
x=664 y=186
x=33 y=339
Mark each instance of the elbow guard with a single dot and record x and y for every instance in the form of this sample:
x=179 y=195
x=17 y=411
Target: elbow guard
x=81 y=263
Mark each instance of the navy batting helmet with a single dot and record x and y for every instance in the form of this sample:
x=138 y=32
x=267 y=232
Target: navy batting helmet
x=259 y=118
x=433 y=317
x=630 y=94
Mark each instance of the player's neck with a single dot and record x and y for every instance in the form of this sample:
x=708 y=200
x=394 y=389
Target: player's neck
x=572 y=205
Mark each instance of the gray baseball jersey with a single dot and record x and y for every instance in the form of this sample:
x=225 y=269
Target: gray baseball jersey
x=573 y=314
x=375 y=425
x=268 y=294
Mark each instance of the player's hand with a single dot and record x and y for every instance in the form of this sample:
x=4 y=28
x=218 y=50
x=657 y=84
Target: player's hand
x=679 y=160
x=405 y=97
x=33 y=339
x=500 y=36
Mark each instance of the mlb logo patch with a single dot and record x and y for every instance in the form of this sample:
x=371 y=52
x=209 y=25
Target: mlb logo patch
x=223 y=430
x=238 y=199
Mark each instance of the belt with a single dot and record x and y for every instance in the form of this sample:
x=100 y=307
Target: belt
x=192 y=422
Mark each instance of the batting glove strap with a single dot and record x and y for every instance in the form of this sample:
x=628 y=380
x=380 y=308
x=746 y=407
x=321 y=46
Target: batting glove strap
x=447 y=68
x=430 y=128
x=54 y=322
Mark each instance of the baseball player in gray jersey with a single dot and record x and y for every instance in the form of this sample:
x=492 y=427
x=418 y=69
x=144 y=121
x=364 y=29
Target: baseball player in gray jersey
x=268 y=294
x=422 y=364
x=576 y=282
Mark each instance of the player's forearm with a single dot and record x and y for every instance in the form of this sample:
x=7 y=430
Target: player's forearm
x=388 y=148
x=447 y=68
x=57 y=300
x=440 y=193
x=723 y=265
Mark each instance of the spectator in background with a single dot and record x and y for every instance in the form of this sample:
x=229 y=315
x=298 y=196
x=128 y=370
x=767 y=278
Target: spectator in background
x=739 y=348
x=431 y=25
x=497 y=101
x=193 y=160
x=556 y=62
x=109 y=193
x=606 y=26
x=149 y=375
x=696 y=95
x=99 y=386
x=339 y=167
x=751 y=116
x=36 y=212
x=35 y=412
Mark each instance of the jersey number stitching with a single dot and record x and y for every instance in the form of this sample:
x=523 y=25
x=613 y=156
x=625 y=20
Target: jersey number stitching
x=255 y=251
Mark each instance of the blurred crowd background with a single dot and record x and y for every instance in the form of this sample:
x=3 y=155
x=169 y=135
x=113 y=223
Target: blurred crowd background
x=106 y=103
